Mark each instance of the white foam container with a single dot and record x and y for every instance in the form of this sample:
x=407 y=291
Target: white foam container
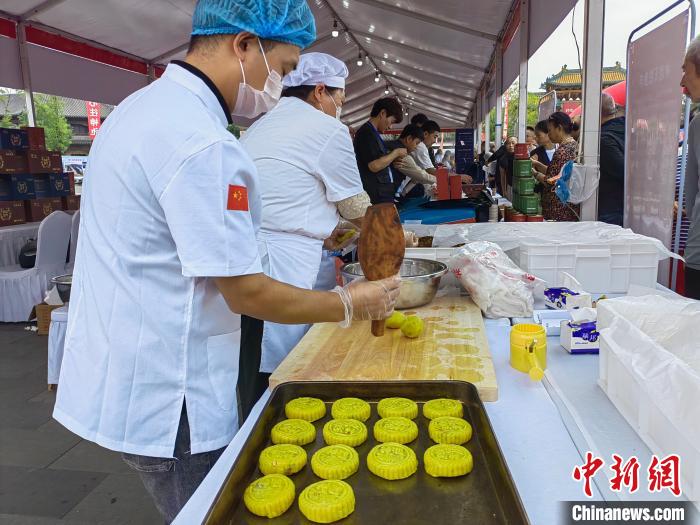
x=600 y=268
x=665 y=426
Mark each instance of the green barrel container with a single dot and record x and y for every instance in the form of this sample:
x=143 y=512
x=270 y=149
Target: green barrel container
x=527 y=204
x=524 y=185
x=522 y=168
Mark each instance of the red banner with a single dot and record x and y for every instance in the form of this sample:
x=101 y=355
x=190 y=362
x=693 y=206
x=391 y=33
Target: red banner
x=93 y=118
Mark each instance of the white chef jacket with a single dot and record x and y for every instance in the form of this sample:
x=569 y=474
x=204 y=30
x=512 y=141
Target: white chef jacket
x=306 y=164
x=422 y=157
x=163 y=211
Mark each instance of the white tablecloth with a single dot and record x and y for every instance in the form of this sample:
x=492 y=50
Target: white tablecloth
x=12 y=238
x=57 y=337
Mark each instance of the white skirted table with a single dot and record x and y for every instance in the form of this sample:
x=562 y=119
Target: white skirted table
x=12 y=238
x=57 y=337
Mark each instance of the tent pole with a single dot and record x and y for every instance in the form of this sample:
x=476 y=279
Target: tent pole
x=499 y=94
x=594 y=23
x=524 y=55
x=151 y=72
x=487 y=118
x=26 y=76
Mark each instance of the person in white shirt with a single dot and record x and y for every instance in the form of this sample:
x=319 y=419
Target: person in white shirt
x=309 y=181
x=431 y=131
x=167 y=257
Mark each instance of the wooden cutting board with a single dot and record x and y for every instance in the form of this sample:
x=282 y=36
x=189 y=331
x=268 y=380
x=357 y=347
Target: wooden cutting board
x=453 y=346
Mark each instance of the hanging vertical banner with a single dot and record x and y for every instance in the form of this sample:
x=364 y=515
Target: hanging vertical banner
x=464 y=149
x=653 y=121
x=93 y=117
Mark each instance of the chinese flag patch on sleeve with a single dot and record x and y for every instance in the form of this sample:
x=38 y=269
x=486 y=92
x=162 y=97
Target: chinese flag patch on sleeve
x=237 y=198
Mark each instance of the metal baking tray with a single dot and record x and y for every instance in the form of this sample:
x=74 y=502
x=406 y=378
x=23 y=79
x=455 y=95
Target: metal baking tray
x=485 y=496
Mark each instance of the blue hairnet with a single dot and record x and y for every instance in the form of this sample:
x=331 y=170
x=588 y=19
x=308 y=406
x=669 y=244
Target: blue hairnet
x=289 y=21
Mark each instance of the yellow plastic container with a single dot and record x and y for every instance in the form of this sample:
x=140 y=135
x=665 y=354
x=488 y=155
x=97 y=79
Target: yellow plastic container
x=528 y=349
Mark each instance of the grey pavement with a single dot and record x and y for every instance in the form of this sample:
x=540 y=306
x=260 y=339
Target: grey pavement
x=49 y=476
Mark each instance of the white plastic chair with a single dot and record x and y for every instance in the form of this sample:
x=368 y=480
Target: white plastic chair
x=74 y=230
x=21 y=289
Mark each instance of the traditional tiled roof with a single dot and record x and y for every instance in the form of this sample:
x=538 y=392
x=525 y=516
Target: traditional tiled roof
x=571 y=78
x=72 y=107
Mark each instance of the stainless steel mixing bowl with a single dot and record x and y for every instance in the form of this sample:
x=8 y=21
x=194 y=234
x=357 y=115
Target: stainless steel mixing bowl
x=420 y=279
x=63 y=284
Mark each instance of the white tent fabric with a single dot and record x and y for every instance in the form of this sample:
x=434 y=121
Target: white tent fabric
x=434 y=60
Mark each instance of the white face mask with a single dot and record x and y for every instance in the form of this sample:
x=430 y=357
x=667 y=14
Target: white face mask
x=252 y=102
x=338 y=109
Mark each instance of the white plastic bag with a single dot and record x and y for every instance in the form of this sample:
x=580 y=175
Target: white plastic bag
x=496 y=284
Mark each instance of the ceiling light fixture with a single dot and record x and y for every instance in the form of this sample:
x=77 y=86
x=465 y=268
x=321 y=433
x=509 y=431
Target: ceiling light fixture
x=376 y=76
x=359 y=59
x=335 y=31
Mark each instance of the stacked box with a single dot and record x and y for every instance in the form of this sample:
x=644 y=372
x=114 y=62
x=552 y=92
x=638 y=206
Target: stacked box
x=39 y=209
x=12 y=212
x=32 y=175
x=525 y=200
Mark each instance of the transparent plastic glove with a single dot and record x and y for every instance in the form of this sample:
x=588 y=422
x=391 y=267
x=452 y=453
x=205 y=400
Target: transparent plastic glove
x=411 y=239
x=342 y=236
x=368 y=300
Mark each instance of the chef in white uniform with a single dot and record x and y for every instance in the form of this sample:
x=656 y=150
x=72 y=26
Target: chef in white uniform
x=308 y=182
x=167 y=257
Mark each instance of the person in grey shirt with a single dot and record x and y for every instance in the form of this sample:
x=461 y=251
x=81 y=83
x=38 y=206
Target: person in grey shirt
x=691 y=87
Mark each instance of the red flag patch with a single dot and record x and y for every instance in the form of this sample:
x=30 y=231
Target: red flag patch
x=237 y=198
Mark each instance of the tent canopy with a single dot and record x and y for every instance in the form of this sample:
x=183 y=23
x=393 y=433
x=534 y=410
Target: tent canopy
x=435 y=61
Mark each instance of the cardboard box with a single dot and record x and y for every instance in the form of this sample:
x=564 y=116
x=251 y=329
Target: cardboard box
x=562 y=298
x=16 y=187
x=12 y=212
x=12 y=162
x=580 y=338
x=51 y=185
x=39 y=162
x=71 y=202
x=42 y=314
x=443 y=184
x=455 y=187
x=36 y=140
x=39 y=209
x=14 y=139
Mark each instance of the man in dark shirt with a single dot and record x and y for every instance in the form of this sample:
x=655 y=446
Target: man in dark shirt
x=611 y=193
x=373 y=157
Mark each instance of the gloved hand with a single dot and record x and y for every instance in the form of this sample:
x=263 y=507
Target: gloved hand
x=342 y=236
x=368 y=300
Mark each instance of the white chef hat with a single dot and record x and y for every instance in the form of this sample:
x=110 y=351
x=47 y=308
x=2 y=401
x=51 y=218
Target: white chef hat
x=317 y=68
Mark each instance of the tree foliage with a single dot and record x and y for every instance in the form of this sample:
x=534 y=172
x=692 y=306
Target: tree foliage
x=513 y=106
x=49 y=115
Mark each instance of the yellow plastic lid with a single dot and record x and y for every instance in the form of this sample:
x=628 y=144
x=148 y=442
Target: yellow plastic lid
x=282 y=459
x=269 y=496
x=447 y=461
x=345 y=432
x=396 y=430
x=327 y=501
x=351 y=408
x=392 y=461
x=335 y=462
x=450 y=430
x=442 y=407
x=293 y=432
x=397 y=407
x=307 y=408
